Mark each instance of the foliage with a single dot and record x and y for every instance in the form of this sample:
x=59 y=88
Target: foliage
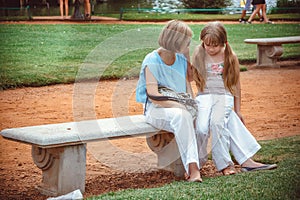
x=288 y=3
x=287 y=6
x=206 y=3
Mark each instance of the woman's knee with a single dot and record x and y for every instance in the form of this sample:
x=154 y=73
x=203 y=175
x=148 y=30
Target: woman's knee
x=181 y=117
x=184 y=115
x=202 y=128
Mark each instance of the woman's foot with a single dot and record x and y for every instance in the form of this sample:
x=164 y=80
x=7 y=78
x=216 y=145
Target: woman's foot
x=195 y=178
x=230 y=170
x=194 y=175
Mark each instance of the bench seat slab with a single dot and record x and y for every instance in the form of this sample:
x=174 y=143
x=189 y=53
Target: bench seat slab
x=65 y=134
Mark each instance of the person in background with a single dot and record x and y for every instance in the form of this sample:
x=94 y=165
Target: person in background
x=217 y=76
x=244 y=11
x=259 y=5
x=63 y=3
x=87 y=9
x=167 y=66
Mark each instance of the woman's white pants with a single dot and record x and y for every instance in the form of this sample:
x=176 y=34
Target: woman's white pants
x=217 y=118
x=180 y=123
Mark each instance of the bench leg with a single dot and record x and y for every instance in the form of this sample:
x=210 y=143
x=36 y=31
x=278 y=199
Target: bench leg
x=267 y=55
x=165 y=146
x=63 y=168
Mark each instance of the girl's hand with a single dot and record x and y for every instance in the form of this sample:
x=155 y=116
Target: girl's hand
x=241 y=117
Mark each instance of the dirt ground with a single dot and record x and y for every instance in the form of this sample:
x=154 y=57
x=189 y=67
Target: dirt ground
x=270 y=105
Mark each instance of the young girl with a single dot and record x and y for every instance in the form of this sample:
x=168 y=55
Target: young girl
x=216 y=73
x=167 y=66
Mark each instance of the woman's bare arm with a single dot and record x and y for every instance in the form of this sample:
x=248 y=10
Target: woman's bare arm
x=152 y=89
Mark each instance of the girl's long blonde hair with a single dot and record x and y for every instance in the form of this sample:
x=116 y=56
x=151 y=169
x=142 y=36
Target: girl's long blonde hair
x=214 y=33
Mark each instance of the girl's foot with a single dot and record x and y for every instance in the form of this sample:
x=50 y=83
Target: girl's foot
x=249 y=22
x=230 y=170
x=251 y=163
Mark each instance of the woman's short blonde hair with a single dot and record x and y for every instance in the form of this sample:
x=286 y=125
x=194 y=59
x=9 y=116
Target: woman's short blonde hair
x=175 y=36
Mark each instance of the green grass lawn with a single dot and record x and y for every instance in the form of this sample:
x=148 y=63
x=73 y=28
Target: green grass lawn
x=38 y=55
x=281 y=183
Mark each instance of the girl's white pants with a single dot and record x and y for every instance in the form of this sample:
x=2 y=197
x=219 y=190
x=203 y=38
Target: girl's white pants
x=180 y=123
x=216 y=117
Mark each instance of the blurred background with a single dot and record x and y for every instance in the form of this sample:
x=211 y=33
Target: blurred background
x=51 y=7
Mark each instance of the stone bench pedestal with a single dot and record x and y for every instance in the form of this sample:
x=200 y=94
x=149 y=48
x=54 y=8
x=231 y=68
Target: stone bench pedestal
x=165 y=146
x=267 y=56
x=63 y=168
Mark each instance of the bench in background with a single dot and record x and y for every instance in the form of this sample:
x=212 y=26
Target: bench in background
x=270 y=49
x=59 y=150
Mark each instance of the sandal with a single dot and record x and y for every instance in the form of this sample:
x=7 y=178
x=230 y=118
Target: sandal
x=230 y=170
x=264 y=167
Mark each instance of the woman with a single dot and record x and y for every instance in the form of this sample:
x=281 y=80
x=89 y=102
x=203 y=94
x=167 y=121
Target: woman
x=167 y=66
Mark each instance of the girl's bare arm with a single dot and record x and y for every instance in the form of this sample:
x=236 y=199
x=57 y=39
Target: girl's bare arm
x=237 y=101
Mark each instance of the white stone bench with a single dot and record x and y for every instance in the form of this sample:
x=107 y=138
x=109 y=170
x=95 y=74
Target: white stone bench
x=270 y=49
x=59 y=150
